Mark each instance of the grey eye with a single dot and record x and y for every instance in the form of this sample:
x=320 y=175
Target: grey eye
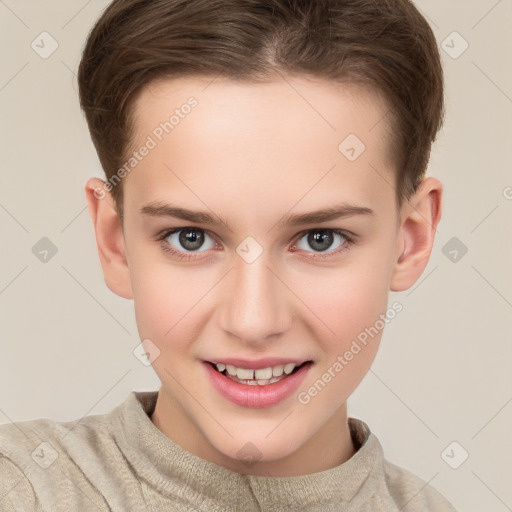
x=188 y=239
x=321 y=239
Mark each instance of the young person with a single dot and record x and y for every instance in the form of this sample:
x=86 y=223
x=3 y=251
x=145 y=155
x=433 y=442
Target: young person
x=266 y=188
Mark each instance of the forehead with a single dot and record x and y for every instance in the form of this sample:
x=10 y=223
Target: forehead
x=327 y=106
x=268 y=143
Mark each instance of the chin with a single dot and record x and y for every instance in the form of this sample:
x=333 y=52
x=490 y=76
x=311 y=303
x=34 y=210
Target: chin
x=249 y=451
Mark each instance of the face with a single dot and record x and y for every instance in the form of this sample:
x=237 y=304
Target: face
x=252 y=283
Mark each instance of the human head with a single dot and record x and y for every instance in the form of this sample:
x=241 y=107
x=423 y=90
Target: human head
x=384 y=45
x=250 y=152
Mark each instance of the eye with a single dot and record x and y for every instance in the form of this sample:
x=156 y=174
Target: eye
x=185 y=240
x=182 y=243
x=320 y=240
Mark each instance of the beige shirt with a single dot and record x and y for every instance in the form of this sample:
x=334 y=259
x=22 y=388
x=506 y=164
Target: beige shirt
x=120 y=461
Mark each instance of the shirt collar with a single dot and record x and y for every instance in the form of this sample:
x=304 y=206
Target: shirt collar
x=172 y=470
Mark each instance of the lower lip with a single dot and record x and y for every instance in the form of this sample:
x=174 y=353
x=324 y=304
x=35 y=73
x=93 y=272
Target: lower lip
x=256 y=396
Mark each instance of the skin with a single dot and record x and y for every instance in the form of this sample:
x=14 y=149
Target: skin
x=254 y=154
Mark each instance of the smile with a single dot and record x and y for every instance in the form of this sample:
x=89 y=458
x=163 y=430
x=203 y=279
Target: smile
x=257 y=387
x=259 y=377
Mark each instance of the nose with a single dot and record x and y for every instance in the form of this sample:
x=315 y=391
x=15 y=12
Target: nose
x=256 y=306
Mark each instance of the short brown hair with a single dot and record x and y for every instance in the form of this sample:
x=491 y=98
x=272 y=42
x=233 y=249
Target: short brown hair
x=382 y=44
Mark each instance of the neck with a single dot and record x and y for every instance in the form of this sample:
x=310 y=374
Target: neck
x=329 y=447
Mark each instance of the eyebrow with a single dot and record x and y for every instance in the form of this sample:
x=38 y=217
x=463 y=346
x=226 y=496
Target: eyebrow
x=343 y=210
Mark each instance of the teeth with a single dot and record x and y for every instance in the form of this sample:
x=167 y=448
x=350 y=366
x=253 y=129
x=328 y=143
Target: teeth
x=261 y=376
x=288 y=368
x=277 y=371
x=231 y=369
x=244 y=374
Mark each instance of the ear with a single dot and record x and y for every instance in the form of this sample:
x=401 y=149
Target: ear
x=420 y=218
x=109 y=238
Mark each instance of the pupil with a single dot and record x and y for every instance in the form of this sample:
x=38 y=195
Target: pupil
x=322 y=237
x=191 y=239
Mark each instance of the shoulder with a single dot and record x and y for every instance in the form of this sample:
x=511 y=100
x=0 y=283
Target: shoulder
x=412 y=493
x=41 y=441
x=42 y=460
x=16 y=491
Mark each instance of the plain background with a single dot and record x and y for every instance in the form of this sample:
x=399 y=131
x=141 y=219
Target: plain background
x=443 y=370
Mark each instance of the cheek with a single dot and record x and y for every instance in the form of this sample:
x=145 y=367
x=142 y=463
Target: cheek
x=164 y=299
x=165 y=313
x=348 y=300
x=351 y=307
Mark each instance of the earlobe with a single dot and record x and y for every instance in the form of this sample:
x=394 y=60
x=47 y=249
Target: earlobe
x=109 y=238
x=417 y=234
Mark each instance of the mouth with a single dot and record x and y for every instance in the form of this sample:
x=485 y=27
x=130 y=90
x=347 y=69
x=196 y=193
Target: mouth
x=257 y=384
x=258 y=376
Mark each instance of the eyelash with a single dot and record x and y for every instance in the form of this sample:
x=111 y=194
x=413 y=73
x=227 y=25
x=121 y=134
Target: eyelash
x=181 y=255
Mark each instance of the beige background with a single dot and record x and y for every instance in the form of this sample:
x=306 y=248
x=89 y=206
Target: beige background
x=443 y=370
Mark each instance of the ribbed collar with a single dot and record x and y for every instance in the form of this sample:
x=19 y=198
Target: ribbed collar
x=166 y=466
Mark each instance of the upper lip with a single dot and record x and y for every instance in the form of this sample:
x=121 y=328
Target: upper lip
x=257 y=364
